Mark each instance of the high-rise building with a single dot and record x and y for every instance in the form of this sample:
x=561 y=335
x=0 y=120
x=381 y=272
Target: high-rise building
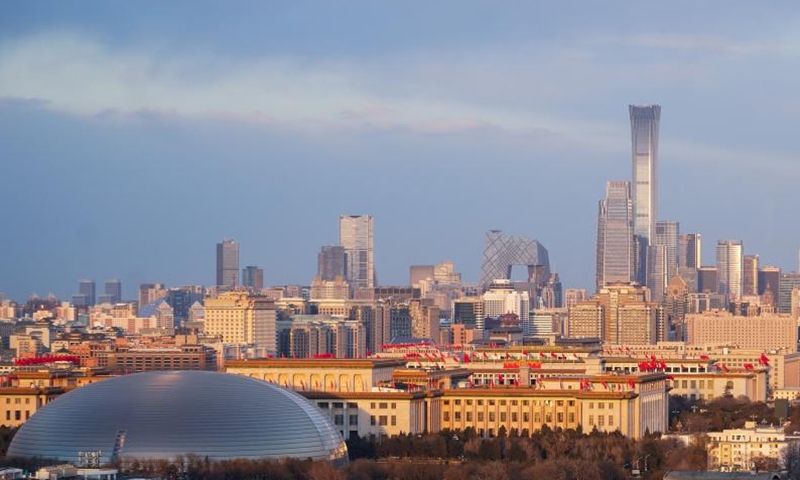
x=644 y=140
x=228 y=264
x=729 y=269
x=663 y=258
x=707 y=279
x=618 y=314
x=253 y=278
x=87 y=288
x=356 y=236
x=420 y=273
x=750 y=275
x=789 y=282
x=239 y=318
x=689 y=250
x=769 y=279
x=501 y=252
x=114 y=290
x=332 y=262
x=615 y=249
x=501 y=298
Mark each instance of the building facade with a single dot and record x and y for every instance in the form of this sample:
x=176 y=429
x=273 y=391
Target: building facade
x=227 y=264
x=240 y=318
x=615 y=249
x=356 y=236
x=644 y=141
x=730 y=263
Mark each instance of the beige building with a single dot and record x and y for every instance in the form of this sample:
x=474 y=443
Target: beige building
x=378 y=414
x=424 y=318
x=620 y=313
x=765 y=332
x=240 y=318
x=741 y=448
x=327 y=375
x=631 y=404
x=17 y=404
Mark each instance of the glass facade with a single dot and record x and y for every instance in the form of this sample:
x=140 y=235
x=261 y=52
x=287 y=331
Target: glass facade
x=644 y=137
x=356 y=236
x=501 y=252
x=615 y=252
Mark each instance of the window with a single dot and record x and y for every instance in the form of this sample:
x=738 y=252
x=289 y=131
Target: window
x=601 y=421
x=372 y=405
x=394 y=420
x=323 y=405
x=480 y=402
x=503 y=403
x=446 y=416
x=526 y=417
x=571 y=417
x=338 y=419
x=353 y=419
x=338 y=405
x=503 y=417
x=372 y=419
x=684 y=384
x=491 y=402
x=513 y=403
x=548 y=417
x=457 y=402
x=383 y=420
x=514 y=417
x=17 y=415
x=469 y=402
x=352 y=405
x=702 y=384
x=491 y=416
x=457 y=416
x=480 y=416
x=610 y=420
x=693 y=384
x=560 y=403
x=601 y=405
x=591 y=405
x=525 y=403
x=537 y=418
x=591 y=419
x=610 y=405
x=560 y=417
x=394 y=405
x=383 y=406
x=571 y=403
x=469 y=416
x=447 y=402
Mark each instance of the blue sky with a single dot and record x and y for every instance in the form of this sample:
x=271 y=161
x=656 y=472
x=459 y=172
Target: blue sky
x=135 y=135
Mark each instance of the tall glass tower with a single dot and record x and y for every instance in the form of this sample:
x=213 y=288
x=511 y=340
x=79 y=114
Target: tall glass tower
x=355 y=235
x=615 y=247
x=644 y=140
x=730 y=263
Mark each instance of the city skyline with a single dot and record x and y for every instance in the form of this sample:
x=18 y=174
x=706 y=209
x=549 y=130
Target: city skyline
x=428 y=135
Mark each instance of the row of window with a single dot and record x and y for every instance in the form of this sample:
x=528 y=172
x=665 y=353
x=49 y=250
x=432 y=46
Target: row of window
x=18 y=401
x=383 y=420
x=514 y=403
x=326 y=405
x=17 y=415
x=601 y=420
x=526 y=417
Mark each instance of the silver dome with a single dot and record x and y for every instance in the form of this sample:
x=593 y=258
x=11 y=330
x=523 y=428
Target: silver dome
x=158 y=415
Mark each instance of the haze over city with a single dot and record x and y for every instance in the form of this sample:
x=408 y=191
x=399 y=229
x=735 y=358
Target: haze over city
x=133 y=140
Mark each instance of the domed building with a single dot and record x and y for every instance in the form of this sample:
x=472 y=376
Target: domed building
x=159 y=415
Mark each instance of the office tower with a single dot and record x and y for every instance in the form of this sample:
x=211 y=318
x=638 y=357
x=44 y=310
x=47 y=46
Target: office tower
x=551 y=295
x=87 y=288
x=227 y=263
x=676 y=306
x=788 y=282
x=331 y=262
x=468 y=311
x=662 y=258
x=750 y=275
x=501 y=252
x=424 y=315
x=253 y=278
x=241 y=319
x=707 y=279
x=615 y=249
x=150 y=292
x=644 y=142
x=336 y=289
x=501 y=298
x=729 y=269
x=445 y=275
x=618 y=314
x=769 y=278
x=763 y=332
x=356 y=236
x=420 y=273
x=114 y=290
x=573 y=296
x=689 y=250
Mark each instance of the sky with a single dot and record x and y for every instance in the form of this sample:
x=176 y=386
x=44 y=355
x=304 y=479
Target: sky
x=134 y=136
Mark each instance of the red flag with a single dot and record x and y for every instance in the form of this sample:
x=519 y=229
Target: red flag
x=466 y=358
x=542 y=355
x=631 y=384
x=748 y=366
x=763 y=360
x=671 y=377
x=553 y=354
x=703 y=357
x=604 y=384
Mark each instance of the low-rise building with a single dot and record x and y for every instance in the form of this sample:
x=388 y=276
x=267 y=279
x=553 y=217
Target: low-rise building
x=742 y=448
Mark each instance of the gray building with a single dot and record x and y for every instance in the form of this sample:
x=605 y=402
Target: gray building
x=113 y=290
x=729 y=269
x=615 y=248
x=662 y=258
x=501 y=252
x=253 y=278
x=227 y=264
x=87 y=288
x=789 y=281
x=332 y=262
x=356 y=236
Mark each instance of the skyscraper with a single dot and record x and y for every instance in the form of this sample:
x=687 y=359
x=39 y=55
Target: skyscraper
x=689 y=250
x=332 y=262
x=87 y=288
x=356 y=236
x=114 y=290
x=644 y=140
x=663 y=258
x=615 y=249
x=750 y=275
x=729 y=269
x=501 y=252
x=253 y=278
x=227 y=263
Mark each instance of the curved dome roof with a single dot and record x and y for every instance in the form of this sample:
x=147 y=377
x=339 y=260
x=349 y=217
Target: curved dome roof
x=158 y=415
